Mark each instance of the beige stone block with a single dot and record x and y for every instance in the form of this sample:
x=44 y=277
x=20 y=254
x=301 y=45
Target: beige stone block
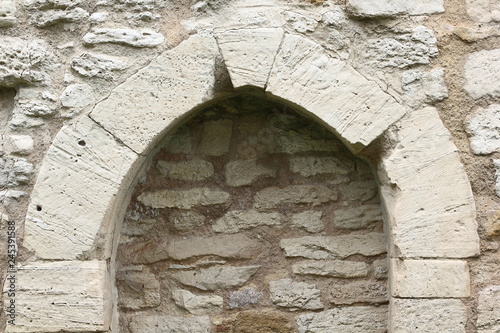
x=216 y=137
x=183 y=199
x=358 y=291
x=488 y=311
x=186 y=170
x=483 y=10
x=309 y=220
x=61 y=296
x=333 y=268
x=429 y=278
x=286 y=293
x=482 y=74
x=427 y=315
x=196 y=304
x=392 y=8
x=236 y=220
x=245 y=172
x=19 y=145
x=138 y=289
x=360 y=111
x=154 y=324
x=294 y=194
x=311 y=166
x=483 y=125
x=249 y=54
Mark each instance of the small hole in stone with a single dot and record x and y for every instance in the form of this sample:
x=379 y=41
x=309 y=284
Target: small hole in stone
x=82 y=143
x=39 y=208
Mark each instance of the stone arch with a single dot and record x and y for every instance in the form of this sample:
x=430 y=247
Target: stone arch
x=82 y=187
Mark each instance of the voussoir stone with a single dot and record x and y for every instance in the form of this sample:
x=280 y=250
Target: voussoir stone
x=154 y=324
x=186 y=170
x=183 y=199
x=311 y=166
x=331 y=247
x=483 y=126
x=129 y=37
x=237 y=220
x=245 y=172
x=357 y=218
x=309 y=220
x=333 y=268
x=295 y=295
x=482 y=74
x=391 y=8
x=196 y=304
x=294 y=194
x=214 y=278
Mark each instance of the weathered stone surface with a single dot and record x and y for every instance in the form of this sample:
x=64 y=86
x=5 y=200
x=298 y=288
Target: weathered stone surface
x=324 y=247
x=335 y=18
x=216 y=137
x=430 y=278
x=59 y=296
x=427 y=315
x=129 y=37
x=334 y=268
x=311 y=166
x=46 y=18
x=418 y=224
x=357 y=218
x=488 y=317
x=237 y=220
x=214 y=278
x=137 y=226
x=483 y=126
x=249 y=54
x=381 y=269
x=359 y=190
x=179 y=142
x=97 y=65
x=185 y=221
x=50 y=4
x=138 y=290
x=35 y=109
x=357 y=319
x=7 y=13
x=413 y=47
x=75 y=191
x=496 y=164
x=426 y=87
x=359 y=118
x=195 y=304
x=77 y=96
x=309 y=220
x=245 y=172
x=358 y=291
x=295 y=295
x=294 y=194
x=483 y=10
x=482 y=74
x=19 y=145
x=186 y=170
x=299 y=22
x=170 y=324
x=292 y=142
x=391 y=8
x=242 y=297
x=183 y=199
x=475 y=34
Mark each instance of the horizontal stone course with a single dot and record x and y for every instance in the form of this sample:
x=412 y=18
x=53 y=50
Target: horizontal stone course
x=186 y=170
x=357 y=218
x=245 y=172
x=312 y=195
x=238 y=220
x=295 y=295
x=311 y=166
x=183 y=199
x=334 y=268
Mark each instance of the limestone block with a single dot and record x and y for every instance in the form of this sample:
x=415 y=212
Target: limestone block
x=51 y=4
x=295 y=295
x=333 y=268
x=358 y=291
x=355 y=319
x=292 y=142
x=245 y=172
x=357 y=218
x=137 y=227
x=75 y=191
x=324 y=247
x=300 y=22
x=183 y=199
x=483 y=10
x=496 y=164
x=154 y=324
x=488 y=316
x=185 y=221
x=97 y=65
x=47 y=18
x=129 y=37
x=427 y=315
x=242 y=297
x=19 y=145
x=359 y=190
x=214 y=278
x=311 y=166
x=216 y=137
x=482 y=74
x=62 y=296
x=391 y=8
x=483 y=127
x=381 y=269
x=335 y=18
x=428 y=87
x=35 y=109
x=77 y=96
x=186 y=170
x=360 y=111
x=429 y=278
x=138 y=290
x=237 y=220
x=249 y=54
x=20 y=172
x=312 y=195
x=195 y=304
x=7 y=13
x=425 y=166
x=309 y=220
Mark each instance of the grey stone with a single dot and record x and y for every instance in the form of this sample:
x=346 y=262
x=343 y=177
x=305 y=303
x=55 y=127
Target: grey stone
x=196 y=304
x=291 y=142
x=353 y=292
x=185 y=221
x=186 y=170
x=21 y=172
x=245 y=172
x=496 y=164
x=97 y=65
x=359 y=190
x=334 y=268
x=335 y=18
x=19 y=145
x=482 y=74
x=137 y=227
x=357 y=218
x=129 y=37
x=170 y=324
x=215 y=278
x=381 y=269
x=242 y=297
x=488 y=317
x=183 y=199
x=295 y=295
x=216 y=137
x=312 y=195
x=483 y=127
x=357 y=319
x=138 y=290
x=332 y=247
x=77 y=95
x=46 y=18
x=311 y=166
x=309 y=220
x=237 y=220
x=7 y=13
x=179 y=142
x=300 y=23
x=428 y=87
x=51 y=4
x=36 y=109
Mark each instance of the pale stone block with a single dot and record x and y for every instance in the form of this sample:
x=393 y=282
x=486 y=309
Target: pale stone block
x=185 y=221
x=358 y=291
x=496 y=164
x=294 y=194
x=311 y=166
x=237 y=220
x=7 y=13
x=77 y=96
x=427 y=315
x=482 y=74
x=245 y=172
x=309 y=220
x=242 y=297
x=302 y=23
x=183 y=199
x=488 y=311
x=355 y=319
x=155 y=324
x=249 y=54
x=483 y=126
x=168 y=88
x=61 y=296
x=419 y=86
x=129 y=37
x=424 y=166
x=483 y=10
x=357 y=218
x=19 y=145
x=391 y=8
x=97 y=65
x=359 y=190
x=76 y=191
x=49 y=17
x=138 y=290
x=295 y=295
x=179 y=142
x=334 y=268
x=331 y=247
x=429 y=278
x=292 y=142
x=216 y=137
x=196 y=304
x=186 y=170
x=360 y=111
